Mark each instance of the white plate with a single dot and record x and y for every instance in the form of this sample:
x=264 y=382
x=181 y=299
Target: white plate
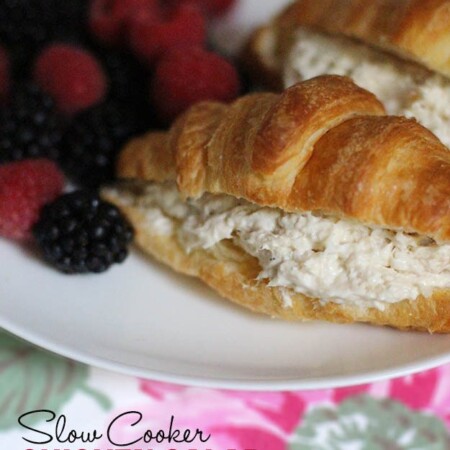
x=142 y=319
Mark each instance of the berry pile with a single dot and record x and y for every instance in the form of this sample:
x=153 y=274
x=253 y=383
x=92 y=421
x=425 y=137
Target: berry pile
x=170 y=38
x=78 y=79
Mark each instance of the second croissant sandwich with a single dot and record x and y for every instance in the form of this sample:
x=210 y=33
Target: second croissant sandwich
x=310 y=204
x=397 y=49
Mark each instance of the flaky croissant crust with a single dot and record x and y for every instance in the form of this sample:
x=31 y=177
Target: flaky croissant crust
x=322 y=145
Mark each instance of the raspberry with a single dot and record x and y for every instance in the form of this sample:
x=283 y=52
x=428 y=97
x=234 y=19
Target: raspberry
x=80 y=233
x=214 y=8
x=72 y=76
x=4 y=74
x=25 y=186
x=110 y=20
x=185 y=76
x=184 y=25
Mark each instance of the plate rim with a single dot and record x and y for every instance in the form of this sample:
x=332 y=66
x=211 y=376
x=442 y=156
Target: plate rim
x=290 y=384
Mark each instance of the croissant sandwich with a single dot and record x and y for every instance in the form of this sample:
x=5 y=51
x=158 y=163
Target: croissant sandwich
x=310 y=204
x=397 y=49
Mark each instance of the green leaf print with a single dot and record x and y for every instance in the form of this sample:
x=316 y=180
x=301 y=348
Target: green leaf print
x=31 y=378
x=365 y=423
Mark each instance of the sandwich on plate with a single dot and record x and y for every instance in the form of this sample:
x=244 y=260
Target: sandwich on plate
x=309 y=204
x=397 y=49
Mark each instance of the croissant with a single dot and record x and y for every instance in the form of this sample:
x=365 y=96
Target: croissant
x=397 y=49
x=310 y=204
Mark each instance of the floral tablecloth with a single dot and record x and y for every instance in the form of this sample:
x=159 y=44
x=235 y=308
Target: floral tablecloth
x=48 y=402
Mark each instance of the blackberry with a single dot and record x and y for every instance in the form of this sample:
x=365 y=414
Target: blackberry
x=94 y=138
x=29 y=126
x=128 y=79
x=79 y=233
x=27 y=25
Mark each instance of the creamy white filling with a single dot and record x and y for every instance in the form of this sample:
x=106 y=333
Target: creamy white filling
x=404 y=89
x=330 y=259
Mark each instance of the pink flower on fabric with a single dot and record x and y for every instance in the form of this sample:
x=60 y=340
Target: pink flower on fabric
x=416 y=391
x=341 y=394
x=234 y=419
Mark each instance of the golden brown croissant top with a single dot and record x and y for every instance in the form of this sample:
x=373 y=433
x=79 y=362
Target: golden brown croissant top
x=414 y=29
x=322 y=145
